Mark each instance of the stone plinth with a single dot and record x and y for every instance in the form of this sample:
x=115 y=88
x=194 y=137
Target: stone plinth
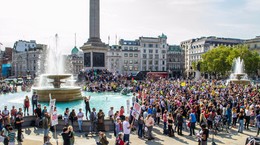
x=95 y=55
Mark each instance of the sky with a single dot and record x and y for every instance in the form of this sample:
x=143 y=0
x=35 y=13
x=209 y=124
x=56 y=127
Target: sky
x=180 y=20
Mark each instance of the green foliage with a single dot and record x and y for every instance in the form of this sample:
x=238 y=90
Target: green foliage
x=220 y=59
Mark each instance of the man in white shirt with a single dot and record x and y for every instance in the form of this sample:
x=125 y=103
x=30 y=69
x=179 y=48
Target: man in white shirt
x=126 y=129
x=111 y=113
x=80 y=119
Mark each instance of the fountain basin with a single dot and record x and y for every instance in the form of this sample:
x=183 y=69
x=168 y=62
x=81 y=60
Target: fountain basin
x=64 y=94
x=242 y=81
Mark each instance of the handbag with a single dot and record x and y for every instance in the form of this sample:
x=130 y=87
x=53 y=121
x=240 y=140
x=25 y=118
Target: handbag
x=145 y=129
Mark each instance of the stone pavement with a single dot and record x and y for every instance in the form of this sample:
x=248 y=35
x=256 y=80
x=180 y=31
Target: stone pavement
x=33 y=136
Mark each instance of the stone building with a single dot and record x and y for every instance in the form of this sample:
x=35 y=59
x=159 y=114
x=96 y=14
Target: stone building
x=114 y=59
x=28 y=59
x=153 y=53
x=254 y=44
x=74 y=62
x=175 y=61
x=130 y=56
x=194 y=48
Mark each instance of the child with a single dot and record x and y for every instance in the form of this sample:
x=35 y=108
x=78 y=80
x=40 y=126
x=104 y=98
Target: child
x=11 y=136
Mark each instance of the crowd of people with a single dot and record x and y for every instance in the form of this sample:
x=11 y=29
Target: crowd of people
x=176 y=105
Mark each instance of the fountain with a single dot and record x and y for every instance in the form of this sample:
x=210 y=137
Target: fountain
x=238 y=76
x=55 y=72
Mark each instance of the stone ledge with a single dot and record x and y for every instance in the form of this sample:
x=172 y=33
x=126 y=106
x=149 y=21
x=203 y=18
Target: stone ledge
x=109 y=125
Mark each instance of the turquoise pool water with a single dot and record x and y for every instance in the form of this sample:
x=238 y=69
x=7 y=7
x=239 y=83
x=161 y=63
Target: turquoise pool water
x=98 y=100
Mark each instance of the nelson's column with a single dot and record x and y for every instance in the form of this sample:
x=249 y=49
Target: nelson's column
x=94 y=49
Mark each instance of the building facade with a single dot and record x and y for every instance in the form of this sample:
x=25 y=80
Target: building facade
x=175 y=61
x=130 y=56
x=153 y=53
x=194 y=48
x=74 y=62
x=254 y=44
x=28 y=59
x=114 y=59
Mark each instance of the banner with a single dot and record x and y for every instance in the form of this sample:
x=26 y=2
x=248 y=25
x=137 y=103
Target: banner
x=54 y=118
x=53 y=114
x=136 y=111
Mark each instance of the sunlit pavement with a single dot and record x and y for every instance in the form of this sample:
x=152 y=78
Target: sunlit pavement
x=33 y=136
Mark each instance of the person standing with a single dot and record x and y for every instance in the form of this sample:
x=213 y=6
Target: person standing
x=203 y=135
x=11 y=136
x=5 y=132
x=66 y=135
x=179 y=122
x=87 y=106
x=170 y=126
x=19 y=121
x=46 y=127
x=192 y=123
x=140 y=126
x=111 y=113
x=101 y=117
x=34 y=100
x=241 y=117
x=72 y=117
x=6 y=117
x=38 y=113
x=149 y=123
x=126 y=130
x=93 y=120
x=258 y=124
x=72 y=138
x=80 y=119
x=66 y=116
x=165 y=122
x=26 y=105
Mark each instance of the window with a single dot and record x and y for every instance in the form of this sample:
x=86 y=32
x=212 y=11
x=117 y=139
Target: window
x=130 y=68
x=144 y=45
x=130 y=54
x=163 y=63
x=136 y=68
x=156 y=45
x=136 y=48
x=144 y=68
x=112 y=59
x=150 y=62
x=163 y=69
x=144 y=62
x=156 y=56
x=150 y=51
x=130 y=61
x=135 y=61
x=112 y=53
x=130 y=48
x=144 y=55
x=136 y=55
x=125 y=54
x=156 y=51
x=156 y=62
x=125 y=61
x=125 y=68
x=163 y=46
x=150 y=68
x=144 y=50
x=163 y=56
x=150 y=45
x=150 y=56
x=156 y=68
x=125 y=48
x=163 y=51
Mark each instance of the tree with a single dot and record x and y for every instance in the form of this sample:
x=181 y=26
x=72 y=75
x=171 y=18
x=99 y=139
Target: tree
x=220 y=59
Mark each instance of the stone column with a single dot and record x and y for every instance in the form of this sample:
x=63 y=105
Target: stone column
x=94 y=19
